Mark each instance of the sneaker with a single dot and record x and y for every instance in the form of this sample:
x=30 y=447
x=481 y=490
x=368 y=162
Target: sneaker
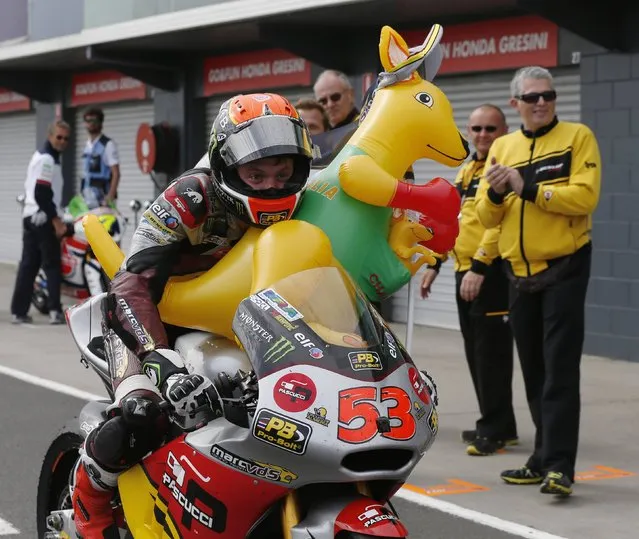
x=21 y=319
x=522 y=476
x=469 y=436
x=56 y=318
x=556 y=483
x=483 y=447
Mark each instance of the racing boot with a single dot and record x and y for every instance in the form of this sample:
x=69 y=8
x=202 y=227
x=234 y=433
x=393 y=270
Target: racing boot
x=93 y=491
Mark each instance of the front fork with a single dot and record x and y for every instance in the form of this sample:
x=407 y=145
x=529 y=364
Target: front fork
x=58 y=523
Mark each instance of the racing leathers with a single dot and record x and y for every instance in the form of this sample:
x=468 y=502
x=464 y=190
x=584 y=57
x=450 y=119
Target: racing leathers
x=186 y=230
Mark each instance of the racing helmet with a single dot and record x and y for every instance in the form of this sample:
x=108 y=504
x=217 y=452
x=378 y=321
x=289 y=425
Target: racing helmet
x=250 y=127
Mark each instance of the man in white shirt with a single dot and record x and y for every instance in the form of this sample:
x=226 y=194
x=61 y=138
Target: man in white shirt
x=42 y=226
x=101 y=163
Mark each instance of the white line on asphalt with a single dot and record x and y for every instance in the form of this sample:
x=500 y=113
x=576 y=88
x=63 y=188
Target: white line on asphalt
x=49 y=384
x=7 y=529
x=427 y=501
x=484 y=519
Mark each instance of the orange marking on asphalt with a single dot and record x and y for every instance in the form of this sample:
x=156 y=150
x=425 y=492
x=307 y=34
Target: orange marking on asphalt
x=602 y=472
x=452 y=486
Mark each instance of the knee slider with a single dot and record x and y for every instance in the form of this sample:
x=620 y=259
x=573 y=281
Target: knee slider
x=107 y=444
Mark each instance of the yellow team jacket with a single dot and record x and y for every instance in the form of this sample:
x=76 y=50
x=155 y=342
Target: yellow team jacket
x=476 y=247
x=561 y=168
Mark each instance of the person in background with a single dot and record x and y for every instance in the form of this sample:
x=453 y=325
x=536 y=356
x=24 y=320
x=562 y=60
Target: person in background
x=42 y=227
x=481 y=291
x=334 y=91
x=314 y=116
x=101 y=163
x=542 y=184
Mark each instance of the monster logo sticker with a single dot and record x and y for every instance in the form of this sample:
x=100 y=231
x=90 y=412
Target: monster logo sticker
x=278 y=350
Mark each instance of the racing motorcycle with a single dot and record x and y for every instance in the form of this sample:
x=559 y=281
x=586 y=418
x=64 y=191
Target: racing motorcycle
x=82 y=275
x=325 y=416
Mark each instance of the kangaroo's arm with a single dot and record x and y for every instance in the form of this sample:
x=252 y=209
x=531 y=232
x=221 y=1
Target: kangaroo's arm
x=362 y=178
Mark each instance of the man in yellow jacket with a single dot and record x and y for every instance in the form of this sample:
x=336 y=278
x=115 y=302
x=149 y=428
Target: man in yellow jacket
x=481 y=291
x=542 y=185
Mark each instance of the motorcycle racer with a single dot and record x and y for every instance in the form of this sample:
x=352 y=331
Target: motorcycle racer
x=260 y=153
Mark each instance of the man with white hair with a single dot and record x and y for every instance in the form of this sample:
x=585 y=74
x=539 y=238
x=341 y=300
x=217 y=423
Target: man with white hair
x=542 y=185
x=335 y=93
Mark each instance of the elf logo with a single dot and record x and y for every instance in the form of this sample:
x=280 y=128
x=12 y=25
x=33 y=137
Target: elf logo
x=306 y=343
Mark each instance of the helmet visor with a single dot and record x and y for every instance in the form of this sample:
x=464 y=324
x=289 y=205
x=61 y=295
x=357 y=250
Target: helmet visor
x=266 y=136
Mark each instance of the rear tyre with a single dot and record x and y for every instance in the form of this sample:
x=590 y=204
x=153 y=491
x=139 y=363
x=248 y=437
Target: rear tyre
x=53 y=484
x=39 y=300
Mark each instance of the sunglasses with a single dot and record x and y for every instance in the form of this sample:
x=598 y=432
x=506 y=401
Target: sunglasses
x=60 y=137
x=533 y=97
x=333 y=97
x=92 y=120
x=487 y=128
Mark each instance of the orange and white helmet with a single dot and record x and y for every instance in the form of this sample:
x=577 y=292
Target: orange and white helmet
x=250 y=127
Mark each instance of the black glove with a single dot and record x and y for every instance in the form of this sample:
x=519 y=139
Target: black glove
x=141 y=408
x=188 y=392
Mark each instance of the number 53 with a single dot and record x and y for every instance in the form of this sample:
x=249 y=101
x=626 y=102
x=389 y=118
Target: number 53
x=361 y=403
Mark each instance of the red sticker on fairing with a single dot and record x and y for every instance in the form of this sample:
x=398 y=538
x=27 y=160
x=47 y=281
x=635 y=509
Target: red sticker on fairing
x=418 y=385
x=294 y=392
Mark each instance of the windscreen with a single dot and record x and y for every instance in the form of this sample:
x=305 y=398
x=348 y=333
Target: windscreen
x=318 y=317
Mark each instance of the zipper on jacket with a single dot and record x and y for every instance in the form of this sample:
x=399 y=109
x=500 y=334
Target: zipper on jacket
x=523 y=205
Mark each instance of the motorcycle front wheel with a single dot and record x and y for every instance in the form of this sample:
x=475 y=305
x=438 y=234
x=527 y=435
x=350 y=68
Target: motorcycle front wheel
x=55 y=474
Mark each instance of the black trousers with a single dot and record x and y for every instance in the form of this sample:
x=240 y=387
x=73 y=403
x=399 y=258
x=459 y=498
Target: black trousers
x=549 y=332
x=488 y=343
x=40 y=248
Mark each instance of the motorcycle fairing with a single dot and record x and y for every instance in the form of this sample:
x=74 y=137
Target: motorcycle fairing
x=369 y=517
x=180 y=493
x=85 y=324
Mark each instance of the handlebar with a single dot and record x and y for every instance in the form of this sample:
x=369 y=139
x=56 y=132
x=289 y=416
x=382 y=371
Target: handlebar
x=218 y=401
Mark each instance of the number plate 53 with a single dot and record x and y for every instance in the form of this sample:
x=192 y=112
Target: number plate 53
x=359 y=412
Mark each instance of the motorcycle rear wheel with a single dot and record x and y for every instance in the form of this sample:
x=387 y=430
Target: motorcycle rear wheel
x=40 y=301
x=53 y=484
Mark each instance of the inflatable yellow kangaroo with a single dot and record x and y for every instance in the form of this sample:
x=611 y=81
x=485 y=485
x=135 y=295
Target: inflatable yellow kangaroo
x=410 y=118
x=353 y=198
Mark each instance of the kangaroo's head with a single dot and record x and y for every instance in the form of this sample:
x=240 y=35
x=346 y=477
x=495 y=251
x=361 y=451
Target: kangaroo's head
x=408 y=117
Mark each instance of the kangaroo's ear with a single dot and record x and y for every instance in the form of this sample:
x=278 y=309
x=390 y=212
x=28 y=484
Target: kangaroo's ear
x=393 y=50
x=431 y=52
x=404 y=64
